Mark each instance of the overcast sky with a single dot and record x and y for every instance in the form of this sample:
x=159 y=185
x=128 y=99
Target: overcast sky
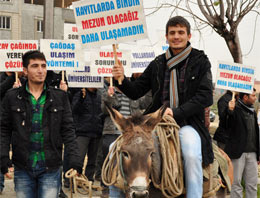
x=213 y=45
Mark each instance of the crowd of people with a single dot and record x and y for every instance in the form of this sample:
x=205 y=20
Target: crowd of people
x=51 y=127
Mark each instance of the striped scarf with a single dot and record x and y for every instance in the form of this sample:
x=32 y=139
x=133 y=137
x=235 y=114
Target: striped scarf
x=172 y=62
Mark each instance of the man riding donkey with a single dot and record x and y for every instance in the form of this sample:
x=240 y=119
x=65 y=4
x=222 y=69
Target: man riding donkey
x=180 y=78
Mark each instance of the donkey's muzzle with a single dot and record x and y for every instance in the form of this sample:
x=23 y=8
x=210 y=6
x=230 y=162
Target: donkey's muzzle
x=139 y=192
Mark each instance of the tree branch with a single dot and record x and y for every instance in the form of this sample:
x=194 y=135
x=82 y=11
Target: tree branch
x=207 y=6
x=208 y=17
x=222 y=10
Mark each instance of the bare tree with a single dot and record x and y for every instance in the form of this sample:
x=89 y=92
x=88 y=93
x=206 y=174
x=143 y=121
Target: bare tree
x=222 y=16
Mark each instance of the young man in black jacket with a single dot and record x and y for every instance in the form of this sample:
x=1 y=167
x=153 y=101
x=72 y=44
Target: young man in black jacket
x=86 y=110
x=180 y=78
x=243 y=144
x=221 y=134
x=37 y=119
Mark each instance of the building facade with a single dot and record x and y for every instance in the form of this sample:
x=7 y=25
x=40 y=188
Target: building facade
x=23 y=19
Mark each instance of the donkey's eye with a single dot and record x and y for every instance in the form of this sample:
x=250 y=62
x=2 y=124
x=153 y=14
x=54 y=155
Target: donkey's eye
x=125 y=154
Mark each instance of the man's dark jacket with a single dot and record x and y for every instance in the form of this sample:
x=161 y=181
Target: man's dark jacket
x=222 y=132
x=197 y=94
x=87 y=114
x=6 y=83
x=237 y=140
x=57 y=126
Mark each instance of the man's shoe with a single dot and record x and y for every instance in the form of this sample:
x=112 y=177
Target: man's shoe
x=62 y=194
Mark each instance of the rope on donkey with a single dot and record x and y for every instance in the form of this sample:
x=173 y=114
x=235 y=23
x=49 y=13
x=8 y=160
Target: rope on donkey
x=171 y=184
x=111 y=167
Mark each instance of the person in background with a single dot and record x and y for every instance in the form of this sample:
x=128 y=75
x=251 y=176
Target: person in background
x=86 y=110
x=221 y=134
x=243 y=144
x=38 y=119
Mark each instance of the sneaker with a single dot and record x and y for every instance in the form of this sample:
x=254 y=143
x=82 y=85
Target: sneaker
x=62 y=194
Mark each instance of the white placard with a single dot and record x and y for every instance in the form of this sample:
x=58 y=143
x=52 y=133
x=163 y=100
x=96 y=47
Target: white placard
x=70 y=31
x=235 y=77
x=104 y=22
x=162 y=44
x=102 y=62
x=141 y=58
x=83 y=79
x=11 y=52
x=63 y=54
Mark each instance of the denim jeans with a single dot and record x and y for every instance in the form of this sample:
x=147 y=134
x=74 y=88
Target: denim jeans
x=37 y=183
x=2 y=181
x=192 y=161
x=115 y=192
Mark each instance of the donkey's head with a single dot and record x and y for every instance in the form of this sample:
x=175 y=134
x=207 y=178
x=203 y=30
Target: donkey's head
x=136 y=149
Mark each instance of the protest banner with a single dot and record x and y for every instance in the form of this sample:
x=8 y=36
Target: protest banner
x=62 y=55
x=11 y=52
x=141 y=58
x=70 y=31
x=162 y=44
x=102 y=61
x=235 y=77
x=84 y=79
x=105 y=22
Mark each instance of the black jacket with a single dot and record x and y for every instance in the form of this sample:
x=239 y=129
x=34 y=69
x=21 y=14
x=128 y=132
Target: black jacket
x=57 y=129
x=197 y=94
x=237 y=139
x=6 y=83
x=222 y=132
x=87 y=114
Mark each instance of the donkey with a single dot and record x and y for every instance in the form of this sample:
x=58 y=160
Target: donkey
x=139 y=155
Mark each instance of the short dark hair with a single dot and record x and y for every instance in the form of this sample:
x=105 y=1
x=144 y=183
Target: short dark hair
x=178 y=20
x=241 y=94
x=32 y=54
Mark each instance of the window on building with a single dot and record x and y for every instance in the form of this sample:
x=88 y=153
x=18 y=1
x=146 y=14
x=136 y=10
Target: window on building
x=5 y=22
x=36 y=2
x=39 y=25
x=6 y=0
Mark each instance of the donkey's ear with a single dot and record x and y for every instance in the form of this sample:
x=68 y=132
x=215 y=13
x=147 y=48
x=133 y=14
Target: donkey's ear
x=118 y=119
x=154 y=118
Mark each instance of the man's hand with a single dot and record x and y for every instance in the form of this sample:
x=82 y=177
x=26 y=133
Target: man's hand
x=111 y=91
x=63 y=86
x=231 y=105
x=168 y=111
x=83 y=90
x=118 y=71
x=17 y=84
x=11 y=169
